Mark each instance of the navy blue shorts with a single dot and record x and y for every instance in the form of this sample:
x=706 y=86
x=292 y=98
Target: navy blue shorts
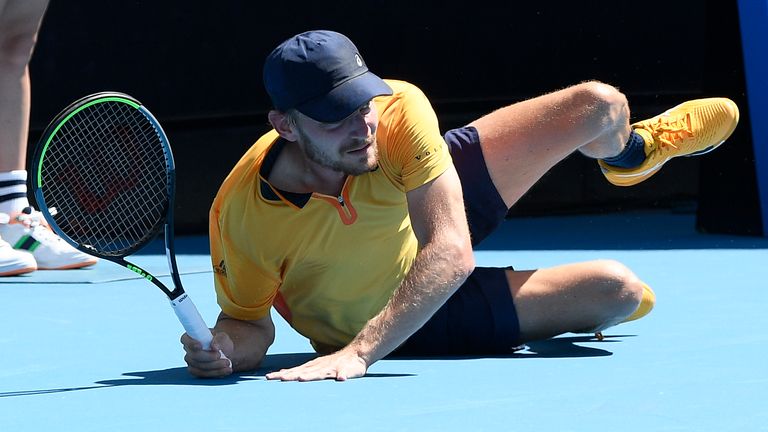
x=480 y=318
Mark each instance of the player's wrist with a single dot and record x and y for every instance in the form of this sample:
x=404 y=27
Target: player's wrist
x=362 y=350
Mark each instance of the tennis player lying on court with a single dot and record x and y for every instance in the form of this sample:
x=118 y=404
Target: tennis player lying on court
x=355 y=218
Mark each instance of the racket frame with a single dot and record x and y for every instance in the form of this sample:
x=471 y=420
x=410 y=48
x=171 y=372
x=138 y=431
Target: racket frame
x=182 y=305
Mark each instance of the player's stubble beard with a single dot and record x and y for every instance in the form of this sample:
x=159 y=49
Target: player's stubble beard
x=341 y=163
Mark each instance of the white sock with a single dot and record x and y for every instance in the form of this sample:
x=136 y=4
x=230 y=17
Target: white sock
x=13 y=191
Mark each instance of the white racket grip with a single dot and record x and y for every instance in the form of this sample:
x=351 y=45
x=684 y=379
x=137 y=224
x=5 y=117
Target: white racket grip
x=191 y=320
x=193 y=323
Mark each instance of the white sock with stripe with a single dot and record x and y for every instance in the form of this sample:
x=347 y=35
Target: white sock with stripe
x=13 y=191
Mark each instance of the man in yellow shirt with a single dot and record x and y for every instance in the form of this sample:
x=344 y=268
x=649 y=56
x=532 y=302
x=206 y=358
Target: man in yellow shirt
x=356 y=219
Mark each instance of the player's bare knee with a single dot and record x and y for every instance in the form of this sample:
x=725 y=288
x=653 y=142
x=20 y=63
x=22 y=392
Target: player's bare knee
x=604 y=104
x=620 y=289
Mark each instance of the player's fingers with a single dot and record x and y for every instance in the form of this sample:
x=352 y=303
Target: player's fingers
x=345 y=373
x=209 y=373
x=205 y=357
x=282 y=374
x=311 y=374
x=317 y=375
x=350 y=369
x=273 y=375
x=222 y=342
x=190 y=344
x=207 y=364
x=302 y=373
x=341 y=375
x=197 y=349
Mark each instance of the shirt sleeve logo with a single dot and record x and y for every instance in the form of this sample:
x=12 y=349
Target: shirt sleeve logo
x=428 y=152
x=220 y=268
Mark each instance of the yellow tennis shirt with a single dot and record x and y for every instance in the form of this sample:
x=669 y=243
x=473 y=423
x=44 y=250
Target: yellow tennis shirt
x=328 y=264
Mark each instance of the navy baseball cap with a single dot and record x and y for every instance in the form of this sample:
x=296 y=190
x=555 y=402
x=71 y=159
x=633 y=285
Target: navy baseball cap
x=322 y=75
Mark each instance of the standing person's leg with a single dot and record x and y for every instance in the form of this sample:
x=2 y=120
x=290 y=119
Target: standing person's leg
x=19 y=21
x=33 y=244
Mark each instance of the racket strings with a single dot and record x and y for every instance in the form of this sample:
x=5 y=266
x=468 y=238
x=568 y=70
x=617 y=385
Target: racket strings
x=105 y=171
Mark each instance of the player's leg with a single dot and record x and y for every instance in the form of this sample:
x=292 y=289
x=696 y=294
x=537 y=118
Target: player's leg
x=497 y=309
x=501 y=155
x=521 y=142
x=583 y=297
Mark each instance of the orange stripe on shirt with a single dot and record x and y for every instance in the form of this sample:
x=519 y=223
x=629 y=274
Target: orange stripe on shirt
x=282 y=307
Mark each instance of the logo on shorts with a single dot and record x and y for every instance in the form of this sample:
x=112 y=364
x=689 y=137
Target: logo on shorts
x=358 y=60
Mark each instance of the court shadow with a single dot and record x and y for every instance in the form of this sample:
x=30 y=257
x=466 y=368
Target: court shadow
x=566 y=347
x=174 y=376
x=560 y=347
x=179 y=376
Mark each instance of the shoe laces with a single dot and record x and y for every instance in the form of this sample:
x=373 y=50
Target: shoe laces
x=35 y=222
x=669 y=130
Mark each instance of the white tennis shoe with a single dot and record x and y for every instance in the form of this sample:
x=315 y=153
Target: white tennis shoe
x=27 y=231
x=14 y=262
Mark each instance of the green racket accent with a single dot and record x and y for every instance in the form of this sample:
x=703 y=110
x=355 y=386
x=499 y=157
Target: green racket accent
x=140 y=272
x=66 y=119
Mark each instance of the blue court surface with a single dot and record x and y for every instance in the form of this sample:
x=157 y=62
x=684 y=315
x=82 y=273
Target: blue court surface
x=98 y=350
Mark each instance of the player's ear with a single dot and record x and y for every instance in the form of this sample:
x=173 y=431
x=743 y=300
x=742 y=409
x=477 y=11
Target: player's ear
x=282 y=123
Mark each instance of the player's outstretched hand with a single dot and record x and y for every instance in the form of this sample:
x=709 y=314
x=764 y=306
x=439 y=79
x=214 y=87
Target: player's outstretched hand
x=340 y=366
x=208 y=363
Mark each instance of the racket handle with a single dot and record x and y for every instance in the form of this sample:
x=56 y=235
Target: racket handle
x=191 y=320
x=193 y=323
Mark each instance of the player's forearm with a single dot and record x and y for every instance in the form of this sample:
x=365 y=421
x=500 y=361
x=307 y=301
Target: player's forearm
x=250 y=339
x=437 y=272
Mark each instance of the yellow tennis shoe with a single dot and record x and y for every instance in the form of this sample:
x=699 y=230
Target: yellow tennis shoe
x=646 y=304
x=689 y=129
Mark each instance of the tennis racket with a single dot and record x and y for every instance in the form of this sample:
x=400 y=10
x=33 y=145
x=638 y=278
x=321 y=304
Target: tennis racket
x=103 y=176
